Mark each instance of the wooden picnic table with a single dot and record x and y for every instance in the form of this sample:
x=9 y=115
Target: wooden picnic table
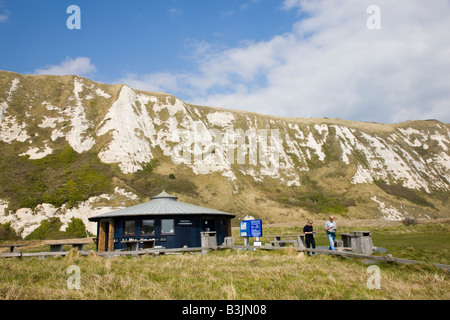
x=280 y=241
x=133 y=245
x=12 y=246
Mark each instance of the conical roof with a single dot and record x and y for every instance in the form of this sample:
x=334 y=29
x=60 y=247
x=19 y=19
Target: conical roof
x=164 y=195
x=162 y=204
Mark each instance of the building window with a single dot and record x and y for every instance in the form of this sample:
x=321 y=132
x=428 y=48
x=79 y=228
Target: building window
x=148 y=228
x=167 y=226
x=129 y=228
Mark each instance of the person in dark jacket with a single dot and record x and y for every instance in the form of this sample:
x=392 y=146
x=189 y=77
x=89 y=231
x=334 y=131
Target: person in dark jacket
x=308 y=230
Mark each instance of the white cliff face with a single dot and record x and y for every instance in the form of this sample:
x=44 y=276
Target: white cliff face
x=389 y=212
x=10 y=128
x=221 y=119
x=131 y=129
x=138 y=123
x=73 y=111
x=4 y=104
x=383 y=158
x=207 y=140
x=386 y=160
x=77 y=137
x=38 y=153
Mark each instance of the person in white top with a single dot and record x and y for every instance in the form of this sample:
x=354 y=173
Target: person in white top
x=330 y=228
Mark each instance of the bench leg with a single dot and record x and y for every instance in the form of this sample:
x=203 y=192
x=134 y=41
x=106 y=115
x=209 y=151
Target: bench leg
x=56 y=248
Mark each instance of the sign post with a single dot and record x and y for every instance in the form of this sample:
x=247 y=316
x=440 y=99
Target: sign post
x=251 y=229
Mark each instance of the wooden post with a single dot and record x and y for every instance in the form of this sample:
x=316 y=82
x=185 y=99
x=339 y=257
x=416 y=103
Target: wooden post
x=300 y=244
x=389 y=259
x=111 y=236
x=102 y=236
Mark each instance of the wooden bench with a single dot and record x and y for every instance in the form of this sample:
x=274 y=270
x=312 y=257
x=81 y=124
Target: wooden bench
x=57 y=245
x=12 y=246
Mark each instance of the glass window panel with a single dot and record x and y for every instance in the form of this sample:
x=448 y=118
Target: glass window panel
x=148 y=227
x=167 y=226
x=129 y=228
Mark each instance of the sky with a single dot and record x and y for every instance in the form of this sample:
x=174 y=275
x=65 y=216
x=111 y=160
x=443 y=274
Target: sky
x=366 y=60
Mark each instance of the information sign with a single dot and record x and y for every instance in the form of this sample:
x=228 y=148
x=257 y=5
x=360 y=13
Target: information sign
x=251 y=228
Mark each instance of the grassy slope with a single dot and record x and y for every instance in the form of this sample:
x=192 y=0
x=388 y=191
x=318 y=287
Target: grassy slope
x=325 y=189
x=242 y=275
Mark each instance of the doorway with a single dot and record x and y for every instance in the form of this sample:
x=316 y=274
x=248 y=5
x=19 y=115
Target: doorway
x=208 y=224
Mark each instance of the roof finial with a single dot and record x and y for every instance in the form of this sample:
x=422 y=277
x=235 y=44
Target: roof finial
x=164 y=195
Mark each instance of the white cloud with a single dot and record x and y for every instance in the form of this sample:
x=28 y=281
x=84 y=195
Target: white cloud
x=80 y=66
x=175 y=12
x=4 y=13
x=331 y=65
x=290 y=4
x=156 y=82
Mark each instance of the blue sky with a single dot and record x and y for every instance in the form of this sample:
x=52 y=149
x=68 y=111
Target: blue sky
x=295 y=58
x=122 y=37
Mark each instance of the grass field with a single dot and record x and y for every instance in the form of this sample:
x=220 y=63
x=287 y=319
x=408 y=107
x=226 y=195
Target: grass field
x=426 y=241
x=229 y=274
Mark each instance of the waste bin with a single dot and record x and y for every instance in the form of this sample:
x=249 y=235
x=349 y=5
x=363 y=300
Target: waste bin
x=360 y=241
x=228 y=241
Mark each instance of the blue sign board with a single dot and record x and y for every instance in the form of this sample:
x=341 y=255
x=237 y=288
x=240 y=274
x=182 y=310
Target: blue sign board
x=251 y=228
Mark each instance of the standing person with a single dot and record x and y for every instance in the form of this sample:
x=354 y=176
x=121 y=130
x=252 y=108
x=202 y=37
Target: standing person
x=330 y=228
x=308 y=230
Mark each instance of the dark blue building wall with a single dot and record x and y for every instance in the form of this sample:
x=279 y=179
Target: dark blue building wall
x=186 y=230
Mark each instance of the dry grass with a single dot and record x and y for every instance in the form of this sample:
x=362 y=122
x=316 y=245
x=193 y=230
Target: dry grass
x=242 y=275
x=283 y=275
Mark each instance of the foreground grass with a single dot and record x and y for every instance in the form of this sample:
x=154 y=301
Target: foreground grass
x=227 y=274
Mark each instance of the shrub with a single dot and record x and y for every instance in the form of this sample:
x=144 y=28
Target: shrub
x=317 y=201
x=49 y=229
x=62 y=177
x=76 y=229
x=149 y=167
x=88 y=182
x=7 y=232
x=147 y=182
x=410 y=221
